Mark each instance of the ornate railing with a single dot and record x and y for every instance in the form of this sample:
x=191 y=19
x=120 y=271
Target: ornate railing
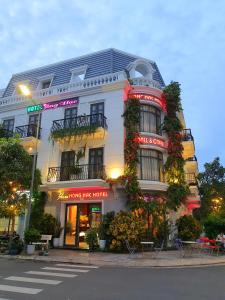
x=81 y=124
x=28 y=131
x=187 y=135
x=191 y=178
x=66 y=88
x=145 y=82
x=76 y=172
x=193 y=158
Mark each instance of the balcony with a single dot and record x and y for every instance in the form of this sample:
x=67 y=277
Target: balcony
x=191 y=179
x=94 y=125
x=191 y=165
x=188 y=144
x=76 y=172
x=27 y=131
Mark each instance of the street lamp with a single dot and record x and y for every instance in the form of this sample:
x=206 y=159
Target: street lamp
x=25 y=90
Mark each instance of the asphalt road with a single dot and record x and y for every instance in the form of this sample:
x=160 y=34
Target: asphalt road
x=22 y=280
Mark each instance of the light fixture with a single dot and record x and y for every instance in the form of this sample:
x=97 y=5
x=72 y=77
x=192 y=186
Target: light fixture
x=115 y=173
x=24 y=89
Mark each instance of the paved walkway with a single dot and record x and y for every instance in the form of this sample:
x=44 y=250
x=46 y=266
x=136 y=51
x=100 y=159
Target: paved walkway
x=164 y=259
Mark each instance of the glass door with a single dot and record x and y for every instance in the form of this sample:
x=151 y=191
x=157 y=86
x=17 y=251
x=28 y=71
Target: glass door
x=95 y=163
x=70 y=237
x=67 y=161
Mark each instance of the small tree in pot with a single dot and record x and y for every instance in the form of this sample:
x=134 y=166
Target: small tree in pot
x=31 y=235
x=102 y=235
x=57 y=232
x=91 y=238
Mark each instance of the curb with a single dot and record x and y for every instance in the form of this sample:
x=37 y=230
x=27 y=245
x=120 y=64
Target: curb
x=129 y=263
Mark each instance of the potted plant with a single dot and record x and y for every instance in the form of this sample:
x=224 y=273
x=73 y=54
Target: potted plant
x=102 y=235
x=31 y=235
x=91 y=238
x=15 y=247
x=56 y=236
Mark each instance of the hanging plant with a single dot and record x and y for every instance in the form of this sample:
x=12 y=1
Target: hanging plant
x=174 y=167
x=131 y=124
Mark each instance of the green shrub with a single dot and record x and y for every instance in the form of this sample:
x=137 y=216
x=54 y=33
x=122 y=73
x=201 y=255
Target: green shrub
x=214 y=225
x=31 y=235
x=91 y=238
x=16 y=245
x=47 y=224
x=188 y=228
x=126 y=226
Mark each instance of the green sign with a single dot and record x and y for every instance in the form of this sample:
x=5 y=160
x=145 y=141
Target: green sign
x=95 y=209
x=34 y=108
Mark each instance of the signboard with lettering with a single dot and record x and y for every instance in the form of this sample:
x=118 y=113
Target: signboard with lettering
x=140 y=96
x=52 y=105
x=82 y=195
x=149 y=140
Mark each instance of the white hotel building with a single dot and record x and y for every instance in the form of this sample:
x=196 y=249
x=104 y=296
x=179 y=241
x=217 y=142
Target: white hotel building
x=80 y=103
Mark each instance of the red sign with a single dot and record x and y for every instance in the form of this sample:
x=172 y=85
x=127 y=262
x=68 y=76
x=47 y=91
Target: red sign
x=148 y=140
x=83 y=195
x=154 y=99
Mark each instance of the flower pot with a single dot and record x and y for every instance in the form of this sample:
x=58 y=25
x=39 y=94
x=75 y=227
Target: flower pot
x=56 y=242
x=102 y=244
x=30 y=249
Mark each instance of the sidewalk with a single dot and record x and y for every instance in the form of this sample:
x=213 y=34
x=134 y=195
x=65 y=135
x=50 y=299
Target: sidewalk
x=165 y=259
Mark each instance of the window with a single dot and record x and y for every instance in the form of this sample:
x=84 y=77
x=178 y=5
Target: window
x=70 y=120
x=78 y=74
x=8 y=125
x=97 y=113
x=150 y=165
x=32 y=125
x=95 y=163
x=45 y=84
x=150 y=119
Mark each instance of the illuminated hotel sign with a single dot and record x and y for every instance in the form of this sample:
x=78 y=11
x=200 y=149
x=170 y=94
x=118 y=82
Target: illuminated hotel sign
x=148 y=140
x=83 y=195
x=52 y=105
x=154 y=99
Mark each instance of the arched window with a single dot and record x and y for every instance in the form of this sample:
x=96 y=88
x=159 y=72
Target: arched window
x=150 y=166
x=150 y=119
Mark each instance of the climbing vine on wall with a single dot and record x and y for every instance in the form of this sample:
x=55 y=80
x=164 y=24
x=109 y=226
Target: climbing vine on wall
x=174 y=167
x=131 y=124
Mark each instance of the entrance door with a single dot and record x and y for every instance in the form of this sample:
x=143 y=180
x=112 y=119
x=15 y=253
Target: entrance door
x=95 y=163
x=71 y=234
x=67 y=161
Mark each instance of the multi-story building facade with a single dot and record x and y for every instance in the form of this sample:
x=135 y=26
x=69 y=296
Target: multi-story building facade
x=78 y=105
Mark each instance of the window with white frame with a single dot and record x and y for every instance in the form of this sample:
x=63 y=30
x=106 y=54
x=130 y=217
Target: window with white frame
x=78 y=74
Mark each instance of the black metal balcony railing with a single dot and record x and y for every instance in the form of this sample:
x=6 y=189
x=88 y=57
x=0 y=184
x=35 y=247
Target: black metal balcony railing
x=28 y=131
x=187 y=135
x=76 y=172
x=193 y=158
x=191 y=178
x=85 y=121
x=6 y=133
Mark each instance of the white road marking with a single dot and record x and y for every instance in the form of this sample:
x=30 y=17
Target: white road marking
x=19 y=289
x=4 y=299
x=51 y=274
x=66 y=270
x=34 y=280
x=77 y=266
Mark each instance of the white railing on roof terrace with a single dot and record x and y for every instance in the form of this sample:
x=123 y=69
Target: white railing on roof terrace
x=66 y=88
x=146 y=82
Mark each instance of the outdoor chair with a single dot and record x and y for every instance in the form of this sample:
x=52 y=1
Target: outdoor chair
x=131 y=249
x=179 y=246
x=158 y=250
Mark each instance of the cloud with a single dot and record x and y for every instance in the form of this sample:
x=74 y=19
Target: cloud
x=185 y=38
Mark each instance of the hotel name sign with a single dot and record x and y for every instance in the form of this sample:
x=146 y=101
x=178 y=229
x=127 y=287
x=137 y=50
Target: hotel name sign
x=149 y=140
x=140 y=96
x=52 y=105
x=82 y=195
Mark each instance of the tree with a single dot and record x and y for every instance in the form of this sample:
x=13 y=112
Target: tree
x=212 y=189
x=15 y=178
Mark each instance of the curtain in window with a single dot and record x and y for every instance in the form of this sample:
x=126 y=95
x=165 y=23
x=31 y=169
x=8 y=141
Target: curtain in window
x=150 y=119
x=150 y=165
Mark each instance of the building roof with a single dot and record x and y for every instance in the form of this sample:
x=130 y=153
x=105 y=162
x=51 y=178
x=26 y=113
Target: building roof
x=98 y=63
